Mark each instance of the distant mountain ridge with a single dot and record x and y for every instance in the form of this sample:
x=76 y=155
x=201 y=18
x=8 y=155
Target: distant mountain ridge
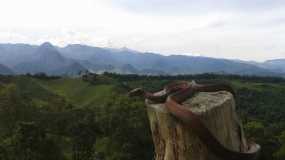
x=5 y=70
x=150 y=63
x=76 y=57
x=276 y=64
x=49 y=60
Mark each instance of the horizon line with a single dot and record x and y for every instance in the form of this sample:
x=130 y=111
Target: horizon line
x=137 y=51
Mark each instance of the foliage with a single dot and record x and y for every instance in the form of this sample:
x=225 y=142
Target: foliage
x=280 y=154
x=44 y=117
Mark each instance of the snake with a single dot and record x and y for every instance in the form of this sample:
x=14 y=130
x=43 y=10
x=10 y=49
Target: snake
x=177 y=92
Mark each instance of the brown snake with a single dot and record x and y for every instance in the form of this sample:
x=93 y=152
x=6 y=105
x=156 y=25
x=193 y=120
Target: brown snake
x=177 y=92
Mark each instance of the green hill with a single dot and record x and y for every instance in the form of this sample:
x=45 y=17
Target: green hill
x=94 y=117
x=79 y=92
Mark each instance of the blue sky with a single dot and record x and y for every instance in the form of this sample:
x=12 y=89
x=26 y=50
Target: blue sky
x=236 y=29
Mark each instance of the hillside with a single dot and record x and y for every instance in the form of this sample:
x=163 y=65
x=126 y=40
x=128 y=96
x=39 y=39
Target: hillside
x=129 y=61
x=47 y=59
x=108 y=119
x=73 y=58
x=13 y=54
x=78 y=92
x=276 y=64
x=5 y=70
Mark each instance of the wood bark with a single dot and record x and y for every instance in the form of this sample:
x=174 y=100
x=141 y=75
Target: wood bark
x=174 y=141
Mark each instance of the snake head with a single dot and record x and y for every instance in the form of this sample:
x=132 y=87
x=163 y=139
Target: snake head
x=138 y=92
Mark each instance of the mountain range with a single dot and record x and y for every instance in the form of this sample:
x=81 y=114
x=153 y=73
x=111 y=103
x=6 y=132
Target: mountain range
x=73 y=58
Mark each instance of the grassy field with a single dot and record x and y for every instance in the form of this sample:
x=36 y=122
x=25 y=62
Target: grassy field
x=78 y=92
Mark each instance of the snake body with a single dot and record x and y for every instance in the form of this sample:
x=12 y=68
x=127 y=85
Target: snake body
x=177 y=92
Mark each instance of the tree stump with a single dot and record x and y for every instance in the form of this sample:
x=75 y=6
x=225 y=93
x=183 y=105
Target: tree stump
x=174 y=141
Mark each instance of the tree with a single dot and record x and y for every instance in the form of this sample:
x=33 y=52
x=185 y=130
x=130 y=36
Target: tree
x=280 y=154
x=83 y=134
x=32 y=143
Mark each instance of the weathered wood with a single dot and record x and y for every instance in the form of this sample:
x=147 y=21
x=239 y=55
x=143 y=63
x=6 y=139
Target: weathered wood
x=174 y=141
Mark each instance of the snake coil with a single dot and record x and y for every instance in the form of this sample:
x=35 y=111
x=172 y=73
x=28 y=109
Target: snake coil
x=177 y=92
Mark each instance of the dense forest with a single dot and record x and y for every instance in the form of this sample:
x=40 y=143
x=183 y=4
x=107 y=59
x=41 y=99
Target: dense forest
x=92 y=118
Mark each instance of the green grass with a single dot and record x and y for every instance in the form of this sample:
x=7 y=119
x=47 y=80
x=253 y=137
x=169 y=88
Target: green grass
x=35 y=94
x=257 y=86
x=79 y=92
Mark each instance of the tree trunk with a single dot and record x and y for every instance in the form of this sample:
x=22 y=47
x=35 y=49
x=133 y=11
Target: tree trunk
x=175 y=141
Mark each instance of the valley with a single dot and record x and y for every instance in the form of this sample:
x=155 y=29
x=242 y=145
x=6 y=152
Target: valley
x=113 y=126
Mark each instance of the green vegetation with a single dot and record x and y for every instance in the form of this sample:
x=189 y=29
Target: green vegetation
x=79 y=92
x=44 y=118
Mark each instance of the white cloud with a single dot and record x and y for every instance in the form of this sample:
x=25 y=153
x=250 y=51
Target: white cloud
x=223 y=29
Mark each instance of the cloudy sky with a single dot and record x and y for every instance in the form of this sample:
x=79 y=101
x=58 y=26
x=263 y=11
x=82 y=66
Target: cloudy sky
x=236 y=29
